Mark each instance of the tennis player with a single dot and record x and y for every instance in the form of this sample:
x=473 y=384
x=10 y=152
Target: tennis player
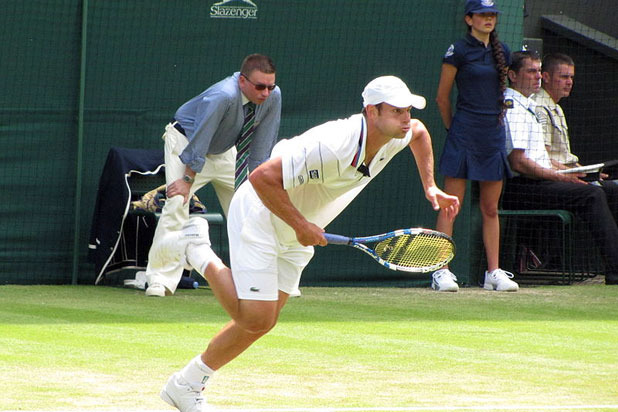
x=277 y=218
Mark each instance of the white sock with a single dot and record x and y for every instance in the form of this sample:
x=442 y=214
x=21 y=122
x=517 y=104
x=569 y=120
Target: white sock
x=196 y=371
x=199 y=256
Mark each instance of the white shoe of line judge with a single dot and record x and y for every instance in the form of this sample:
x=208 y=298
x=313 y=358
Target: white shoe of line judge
x=190 y=246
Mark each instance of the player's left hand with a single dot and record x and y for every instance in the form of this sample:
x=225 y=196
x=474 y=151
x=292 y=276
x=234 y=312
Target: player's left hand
x=442 y=201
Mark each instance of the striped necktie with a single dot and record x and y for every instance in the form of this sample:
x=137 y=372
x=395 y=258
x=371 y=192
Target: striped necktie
x=242 y=145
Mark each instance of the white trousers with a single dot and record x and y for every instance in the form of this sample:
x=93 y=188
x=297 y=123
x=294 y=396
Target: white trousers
x=218 y=170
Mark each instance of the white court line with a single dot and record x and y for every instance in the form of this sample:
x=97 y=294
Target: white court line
x=383 y=409
x=435 y=408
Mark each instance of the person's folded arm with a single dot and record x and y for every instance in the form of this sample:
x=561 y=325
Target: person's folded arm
x=529 y=168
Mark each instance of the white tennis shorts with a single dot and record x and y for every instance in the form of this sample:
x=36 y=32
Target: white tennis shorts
x=261 y=265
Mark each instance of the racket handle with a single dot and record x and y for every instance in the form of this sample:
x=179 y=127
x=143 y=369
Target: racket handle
x=337 y=239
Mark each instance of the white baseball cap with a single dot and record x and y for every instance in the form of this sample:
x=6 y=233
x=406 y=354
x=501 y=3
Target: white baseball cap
x=391 y=90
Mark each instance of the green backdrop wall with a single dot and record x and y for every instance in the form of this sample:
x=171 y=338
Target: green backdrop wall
x=117 y=70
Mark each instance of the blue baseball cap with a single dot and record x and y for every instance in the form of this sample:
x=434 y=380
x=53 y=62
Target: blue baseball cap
x=481 y=6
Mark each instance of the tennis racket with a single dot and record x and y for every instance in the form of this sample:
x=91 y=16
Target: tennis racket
x=409 y=250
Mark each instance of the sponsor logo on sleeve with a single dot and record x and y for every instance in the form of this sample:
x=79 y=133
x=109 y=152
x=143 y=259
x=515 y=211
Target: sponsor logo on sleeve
x=450 y=51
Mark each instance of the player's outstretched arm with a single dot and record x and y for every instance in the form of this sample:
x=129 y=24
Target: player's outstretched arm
x=423 y=155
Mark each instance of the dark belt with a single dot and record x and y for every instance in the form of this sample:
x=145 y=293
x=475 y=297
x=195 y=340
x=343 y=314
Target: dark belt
x=178 y=127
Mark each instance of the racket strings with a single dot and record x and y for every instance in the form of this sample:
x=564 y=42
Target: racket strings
x=417 y=251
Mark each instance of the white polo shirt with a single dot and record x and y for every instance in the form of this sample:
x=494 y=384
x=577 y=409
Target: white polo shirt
x=523 y=130
x=320 y=170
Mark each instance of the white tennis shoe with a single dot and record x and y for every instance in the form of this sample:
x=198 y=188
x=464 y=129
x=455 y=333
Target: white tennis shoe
x=500 y=280
x=185 y=396
x=158 y=290
x=443 y=280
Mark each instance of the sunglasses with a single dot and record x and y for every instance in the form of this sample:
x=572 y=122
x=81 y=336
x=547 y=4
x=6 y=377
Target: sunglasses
x=260 y=86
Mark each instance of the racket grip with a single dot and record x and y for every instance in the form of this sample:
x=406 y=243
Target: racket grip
x=337 y=239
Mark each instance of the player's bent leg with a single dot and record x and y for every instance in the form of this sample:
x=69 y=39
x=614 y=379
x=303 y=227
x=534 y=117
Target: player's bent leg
x=259 y=317
x=203 y=259
x=183 y=389
x=255 y=319
x=219 y=277
x=195 y=234
x=198 y=254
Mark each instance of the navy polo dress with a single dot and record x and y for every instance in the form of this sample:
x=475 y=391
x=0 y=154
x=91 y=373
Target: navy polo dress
x=475 y=145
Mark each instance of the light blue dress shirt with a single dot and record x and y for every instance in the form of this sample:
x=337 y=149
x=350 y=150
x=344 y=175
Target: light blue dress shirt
x=213 y=121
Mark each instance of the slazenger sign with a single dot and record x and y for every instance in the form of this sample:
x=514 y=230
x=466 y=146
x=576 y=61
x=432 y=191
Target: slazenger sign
x=234 y=9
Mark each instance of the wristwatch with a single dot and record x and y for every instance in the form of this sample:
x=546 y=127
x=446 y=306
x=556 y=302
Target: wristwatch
x=188 y=179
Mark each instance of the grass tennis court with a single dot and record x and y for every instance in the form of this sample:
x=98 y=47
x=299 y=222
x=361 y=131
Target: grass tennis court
x=77 y=348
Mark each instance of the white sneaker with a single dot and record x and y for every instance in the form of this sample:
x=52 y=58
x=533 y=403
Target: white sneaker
x=185 y=396
x=138 y=283
x=443 y=280
x=156 y=289
x=500 y=280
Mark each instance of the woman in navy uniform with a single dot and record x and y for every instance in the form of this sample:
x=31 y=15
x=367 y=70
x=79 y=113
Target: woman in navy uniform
x=475 y=144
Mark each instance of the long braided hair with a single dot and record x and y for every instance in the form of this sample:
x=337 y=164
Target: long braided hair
x=501 y=66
